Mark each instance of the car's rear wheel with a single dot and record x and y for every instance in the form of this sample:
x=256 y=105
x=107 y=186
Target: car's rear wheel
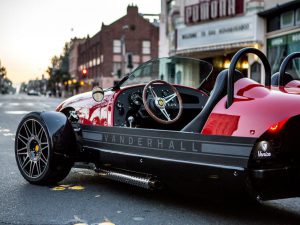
x=35 y=154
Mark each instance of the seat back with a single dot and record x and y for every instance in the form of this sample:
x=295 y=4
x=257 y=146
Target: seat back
x=218 y=92
x=286 y=79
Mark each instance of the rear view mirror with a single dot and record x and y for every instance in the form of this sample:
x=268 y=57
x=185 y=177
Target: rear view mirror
x=98 y=94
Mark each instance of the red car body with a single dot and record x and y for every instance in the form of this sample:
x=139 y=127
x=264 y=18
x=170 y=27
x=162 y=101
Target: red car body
x=242 y=136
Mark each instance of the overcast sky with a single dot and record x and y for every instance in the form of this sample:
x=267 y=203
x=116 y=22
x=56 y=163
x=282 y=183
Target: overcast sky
x=32 y=31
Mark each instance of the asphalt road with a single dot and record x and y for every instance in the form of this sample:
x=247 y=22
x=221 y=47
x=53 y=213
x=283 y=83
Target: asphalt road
x=87 y=198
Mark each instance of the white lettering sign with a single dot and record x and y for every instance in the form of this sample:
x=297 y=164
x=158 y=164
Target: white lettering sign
x=212 y=9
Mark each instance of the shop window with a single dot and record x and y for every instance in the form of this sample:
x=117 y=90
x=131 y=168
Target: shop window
x=146 y=47
x=273 y=24
x=298 y=16
x=280 y=47
x=117 y=46
x=287 y=19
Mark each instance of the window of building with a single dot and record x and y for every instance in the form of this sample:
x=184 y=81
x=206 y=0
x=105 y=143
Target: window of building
x=298 y=16
x=280 y=47
x=273 y=23
x=146 y=47
x=287 y=19
x=98 y=61
x=117 y=46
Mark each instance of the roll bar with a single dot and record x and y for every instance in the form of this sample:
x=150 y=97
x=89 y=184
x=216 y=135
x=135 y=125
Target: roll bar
x=284 y=64
x=235 y=59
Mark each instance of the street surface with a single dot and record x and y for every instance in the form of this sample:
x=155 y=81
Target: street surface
x=87 y=198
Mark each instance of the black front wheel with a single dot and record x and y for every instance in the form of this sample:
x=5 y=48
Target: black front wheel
x=35 y=154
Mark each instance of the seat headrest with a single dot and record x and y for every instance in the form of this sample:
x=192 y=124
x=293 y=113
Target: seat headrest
x=221 y=80
x=286 y=79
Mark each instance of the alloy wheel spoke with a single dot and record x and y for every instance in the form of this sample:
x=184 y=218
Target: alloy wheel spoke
x=24 y=142
x=33 y=128
x=28 y=132
x=40 y=134
x=43 y=158
x=25 y=162
x=38 y=167
x=22 y=153
x=21 y=149
x=31 y=168
x=44 y=148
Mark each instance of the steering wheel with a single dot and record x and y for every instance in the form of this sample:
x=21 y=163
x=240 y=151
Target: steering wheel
x=160 y=103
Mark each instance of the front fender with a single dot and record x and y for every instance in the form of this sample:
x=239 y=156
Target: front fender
x=61 y=133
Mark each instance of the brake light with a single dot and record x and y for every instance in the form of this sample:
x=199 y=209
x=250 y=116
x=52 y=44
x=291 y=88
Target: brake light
x=278 y=126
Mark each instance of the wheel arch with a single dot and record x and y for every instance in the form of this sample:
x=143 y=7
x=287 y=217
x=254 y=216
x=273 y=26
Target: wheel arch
x=61 y=133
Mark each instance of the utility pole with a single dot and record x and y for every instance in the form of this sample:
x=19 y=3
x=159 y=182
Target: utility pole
x=123 y=49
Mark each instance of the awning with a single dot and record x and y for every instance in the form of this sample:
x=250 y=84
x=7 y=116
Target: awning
x=214 y=50
x=279 y=8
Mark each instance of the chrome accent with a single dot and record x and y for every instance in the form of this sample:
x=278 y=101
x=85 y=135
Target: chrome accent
x=146 y=182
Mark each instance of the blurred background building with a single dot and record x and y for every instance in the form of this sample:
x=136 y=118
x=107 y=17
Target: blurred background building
x=116 y=49
x=214 y=30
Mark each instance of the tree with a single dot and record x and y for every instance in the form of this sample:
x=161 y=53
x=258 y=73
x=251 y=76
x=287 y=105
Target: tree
x=59 y=70
x=2 y=79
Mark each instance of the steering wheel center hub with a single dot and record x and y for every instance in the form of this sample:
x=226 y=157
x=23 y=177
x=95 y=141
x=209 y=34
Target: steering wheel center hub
x=160 y=103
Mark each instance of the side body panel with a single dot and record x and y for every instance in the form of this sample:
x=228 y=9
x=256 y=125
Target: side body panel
x=293 y=87
x=254 y=111
x=89 y=111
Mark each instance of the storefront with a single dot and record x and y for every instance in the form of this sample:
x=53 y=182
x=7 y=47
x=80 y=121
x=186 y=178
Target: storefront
x=283 y=35
x=280 y=47
x=217 y=41
x=214 y=31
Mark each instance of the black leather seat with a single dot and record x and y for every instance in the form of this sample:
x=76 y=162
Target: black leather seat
x=218 y=92
x=286 y=79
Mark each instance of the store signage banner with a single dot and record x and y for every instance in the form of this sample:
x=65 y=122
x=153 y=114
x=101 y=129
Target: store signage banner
x=210 y=10
x=232 y=30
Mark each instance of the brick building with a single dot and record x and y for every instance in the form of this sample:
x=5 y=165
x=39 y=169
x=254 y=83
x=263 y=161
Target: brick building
x=106 y=55
x=73 y=57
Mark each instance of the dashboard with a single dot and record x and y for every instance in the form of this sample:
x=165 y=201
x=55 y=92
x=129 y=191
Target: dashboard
x=129 y=109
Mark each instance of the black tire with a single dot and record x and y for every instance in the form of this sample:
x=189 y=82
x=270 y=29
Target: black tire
x=35 y=154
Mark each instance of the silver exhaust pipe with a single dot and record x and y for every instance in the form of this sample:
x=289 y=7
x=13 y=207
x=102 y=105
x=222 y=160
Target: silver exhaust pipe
x=129 y=178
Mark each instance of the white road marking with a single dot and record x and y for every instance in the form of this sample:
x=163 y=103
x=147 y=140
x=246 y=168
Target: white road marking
x=14 y=104
x=8 y=134
x=17 y=112
x=4 y=130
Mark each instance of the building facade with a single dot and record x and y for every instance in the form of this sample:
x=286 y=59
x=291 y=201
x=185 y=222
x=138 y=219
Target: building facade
x=73 y=57
x=214 y=30
x=282 y=34
x=117 y=49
